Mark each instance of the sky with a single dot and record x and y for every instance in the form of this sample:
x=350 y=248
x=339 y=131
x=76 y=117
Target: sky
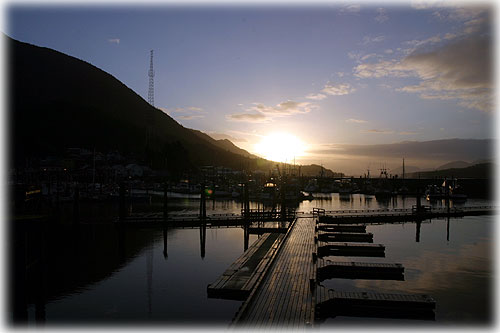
x=329 y=74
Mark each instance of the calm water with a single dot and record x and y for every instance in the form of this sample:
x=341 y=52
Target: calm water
x=100 y=274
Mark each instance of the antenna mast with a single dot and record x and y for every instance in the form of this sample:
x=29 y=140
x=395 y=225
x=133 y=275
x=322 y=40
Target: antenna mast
x=151 y=74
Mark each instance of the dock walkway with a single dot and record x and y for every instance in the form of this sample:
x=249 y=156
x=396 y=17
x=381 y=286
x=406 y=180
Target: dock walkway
x=240 y=278
x=289 y=296
x=284 y=297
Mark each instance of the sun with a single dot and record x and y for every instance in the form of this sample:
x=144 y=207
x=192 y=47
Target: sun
x=280 y=147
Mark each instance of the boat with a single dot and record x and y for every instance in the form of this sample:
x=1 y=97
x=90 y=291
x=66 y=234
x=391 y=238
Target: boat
x=449 y=189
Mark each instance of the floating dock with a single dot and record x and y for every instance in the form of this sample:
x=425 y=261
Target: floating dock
x=262 y=230
x=332 y=303
x=241 y=277
x=397 y=215
x=327 y=269
x=195 y=220
x=350 y=249
x=342 y=228
x=287 y=293
x=345 y=237
x=284 y=297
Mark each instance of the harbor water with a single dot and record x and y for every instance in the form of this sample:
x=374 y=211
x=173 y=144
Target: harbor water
x=99 y=274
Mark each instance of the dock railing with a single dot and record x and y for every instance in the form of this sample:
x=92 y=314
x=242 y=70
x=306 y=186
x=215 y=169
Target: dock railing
x=318 y=212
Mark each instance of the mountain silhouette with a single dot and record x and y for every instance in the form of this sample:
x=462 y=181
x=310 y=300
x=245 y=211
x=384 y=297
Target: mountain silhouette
x=57 y=101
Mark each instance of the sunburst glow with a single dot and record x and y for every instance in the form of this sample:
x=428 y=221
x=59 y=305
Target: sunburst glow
x=280 y=147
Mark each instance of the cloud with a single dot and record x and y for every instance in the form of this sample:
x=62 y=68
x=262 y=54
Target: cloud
x=380 y=69
x=459 y=70
x=339 y=89
x=259 y=113
x=354 y=8
x=190 y=117
x=368 y=56
x=114 y=40
x=377 y=131
x=188 y=109
x=249 y=117
x=316 y=97
x=385 y=86
x=357 y=121
x=449 y=149
x=360 y=57
x=476 y=25
x=417 y=43
x=449 y=36
x=381 y=15
x=426 y=4
x=368 y=40
x=457 y=13
x=407 y=133
x=283 y=109
x=355 y=56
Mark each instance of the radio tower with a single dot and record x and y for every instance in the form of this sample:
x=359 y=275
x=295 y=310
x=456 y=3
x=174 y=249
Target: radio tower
x=151 y=74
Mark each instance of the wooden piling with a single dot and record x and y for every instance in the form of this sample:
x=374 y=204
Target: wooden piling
x=246 y=203
x=165 y=202
x=165 y=242
x=76 y=204
x=283 y=198
x=203 y=206
x=448 y=230
x=122 y=209
x=417 y=236
x=246 y=234
x=203 y=238
x=419 y=204
x=19 y=295
x=40 y=267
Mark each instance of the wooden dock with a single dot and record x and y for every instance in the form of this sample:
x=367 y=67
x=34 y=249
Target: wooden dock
x=332 y=303
x=289 y=296
x=369 y=216
x=341 y=228
x=345 y=237
x=241 y=277
x=194 y=220
x=284 y=297
x=350 y=249
x=262 y=230
x=327 y=269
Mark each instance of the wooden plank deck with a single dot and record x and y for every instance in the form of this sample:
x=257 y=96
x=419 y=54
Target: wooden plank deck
x=327 y=269
x=193 y=220
x=284 y=297
x=345 y=237
x=398 y=215
x=262 y=230
x=341 y=228
x=240 y=278
x=350 y=249
x=332 y=303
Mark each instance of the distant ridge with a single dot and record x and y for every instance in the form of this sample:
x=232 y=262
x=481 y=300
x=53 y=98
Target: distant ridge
x=454 y=165
x=444 y=150
x=224 y=144
x=482 y=170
